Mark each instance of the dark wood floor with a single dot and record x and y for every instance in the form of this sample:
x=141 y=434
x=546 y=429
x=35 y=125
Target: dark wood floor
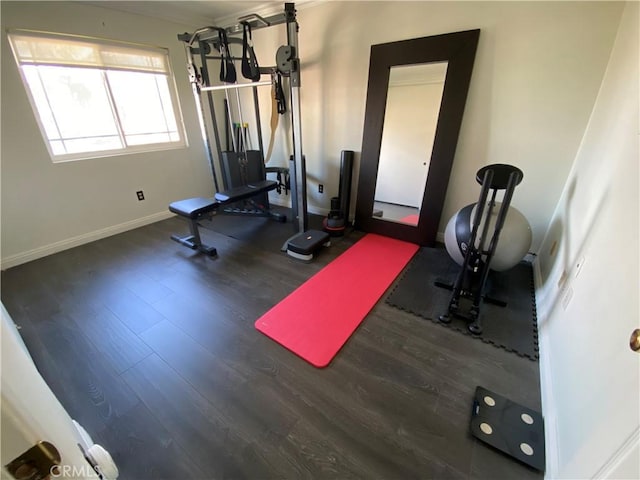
x=152 y=349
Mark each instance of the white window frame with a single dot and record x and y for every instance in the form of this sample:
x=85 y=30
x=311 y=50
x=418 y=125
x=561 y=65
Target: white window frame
x=159 y=64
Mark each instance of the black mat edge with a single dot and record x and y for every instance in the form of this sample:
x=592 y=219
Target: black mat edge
x=465 y=331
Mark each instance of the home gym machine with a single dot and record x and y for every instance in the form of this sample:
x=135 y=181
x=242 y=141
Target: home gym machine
x=242 y=168
x=478 y=254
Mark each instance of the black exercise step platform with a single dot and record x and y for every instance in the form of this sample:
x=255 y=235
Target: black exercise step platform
x=246 y=191
x=305 y=244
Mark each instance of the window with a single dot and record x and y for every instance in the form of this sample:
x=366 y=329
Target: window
x=94 y=97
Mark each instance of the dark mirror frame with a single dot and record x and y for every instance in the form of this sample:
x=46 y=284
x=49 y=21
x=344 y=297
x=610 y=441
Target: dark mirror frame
x=459 y=50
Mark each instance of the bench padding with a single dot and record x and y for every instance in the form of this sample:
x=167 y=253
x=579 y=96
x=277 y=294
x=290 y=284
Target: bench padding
x=246 y=191
x=194 y=207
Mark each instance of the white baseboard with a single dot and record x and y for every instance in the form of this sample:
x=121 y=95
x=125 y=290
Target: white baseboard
x=325 y=211
x=548 y=408
x=285 y=202
x=546 y=385
x=537 y=274
x=24 y=257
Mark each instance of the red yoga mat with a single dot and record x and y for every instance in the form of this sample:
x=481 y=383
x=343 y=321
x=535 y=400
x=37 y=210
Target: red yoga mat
x=316 y=319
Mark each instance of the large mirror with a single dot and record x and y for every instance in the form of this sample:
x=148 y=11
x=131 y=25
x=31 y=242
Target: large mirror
x=415 y=100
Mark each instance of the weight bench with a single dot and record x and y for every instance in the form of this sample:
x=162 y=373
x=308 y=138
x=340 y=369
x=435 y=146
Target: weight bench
x=194 y=209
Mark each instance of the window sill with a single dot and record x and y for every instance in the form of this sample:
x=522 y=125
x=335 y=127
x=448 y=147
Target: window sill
x=73 y=157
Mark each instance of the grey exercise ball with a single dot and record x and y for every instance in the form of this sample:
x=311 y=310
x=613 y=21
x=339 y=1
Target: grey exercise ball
x=513 y=245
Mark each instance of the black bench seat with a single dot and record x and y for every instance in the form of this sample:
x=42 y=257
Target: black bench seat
x=246 y=191
x=195 y=208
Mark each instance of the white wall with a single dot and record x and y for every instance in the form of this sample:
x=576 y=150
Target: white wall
x=48 y=207
x=536 y=75
x=588 y=285
x=537 y=71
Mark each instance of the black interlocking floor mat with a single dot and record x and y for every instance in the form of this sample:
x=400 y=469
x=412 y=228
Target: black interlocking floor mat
x=513 y=327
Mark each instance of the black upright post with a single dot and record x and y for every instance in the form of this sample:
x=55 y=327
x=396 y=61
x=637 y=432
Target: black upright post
x=476 y=325
x=296 y=127
x=344 y=190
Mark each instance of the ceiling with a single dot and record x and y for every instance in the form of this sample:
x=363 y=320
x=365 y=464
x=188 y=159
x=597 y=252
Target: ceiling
x=195 y=13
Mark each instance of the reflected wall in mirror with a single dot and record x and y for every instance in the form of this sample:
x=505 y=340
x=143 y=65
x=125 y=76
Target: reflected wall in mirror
x=382 y=162
x=411 y=116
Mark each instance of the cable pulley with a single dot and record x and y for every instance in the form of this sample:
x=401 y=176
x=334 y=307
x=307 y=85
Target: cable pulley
x=285 y=60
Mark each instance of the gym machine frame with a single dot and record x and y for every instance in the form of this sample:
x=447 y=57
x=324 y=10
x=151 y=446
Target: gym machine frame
x=200 y=44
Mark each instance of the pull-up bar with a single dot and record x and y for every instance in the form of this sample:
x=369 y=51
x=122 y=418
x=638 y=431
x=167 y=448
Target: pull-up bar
x=234 y=86
x=254 y=20
x=258 y=18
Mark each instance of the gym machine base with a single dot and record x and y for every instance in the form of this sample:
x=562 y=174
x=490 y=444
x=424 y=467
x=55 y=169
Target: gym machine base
x=472 y=279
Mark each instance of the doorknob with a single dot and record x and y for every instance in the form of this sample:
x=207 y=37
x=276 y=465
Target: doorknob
x=634 y=341
x=36 y=463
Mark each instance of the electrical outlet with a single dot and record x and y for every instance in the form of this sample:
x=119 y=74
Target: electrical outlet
x=579 y=265
x=562 y=280
x=320 y=188
x=140 y=195
x=566 y=295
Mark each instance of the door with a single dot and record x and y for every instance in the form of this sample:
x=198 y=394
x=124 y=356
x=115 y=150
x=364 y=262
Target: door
x=31 y=413
x=411 y=117
x=593 y=387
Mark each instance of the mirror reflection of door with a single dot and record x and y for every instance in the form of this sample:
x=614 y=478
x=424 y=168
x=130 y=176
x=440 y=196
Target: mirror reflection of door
x=411 y=117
